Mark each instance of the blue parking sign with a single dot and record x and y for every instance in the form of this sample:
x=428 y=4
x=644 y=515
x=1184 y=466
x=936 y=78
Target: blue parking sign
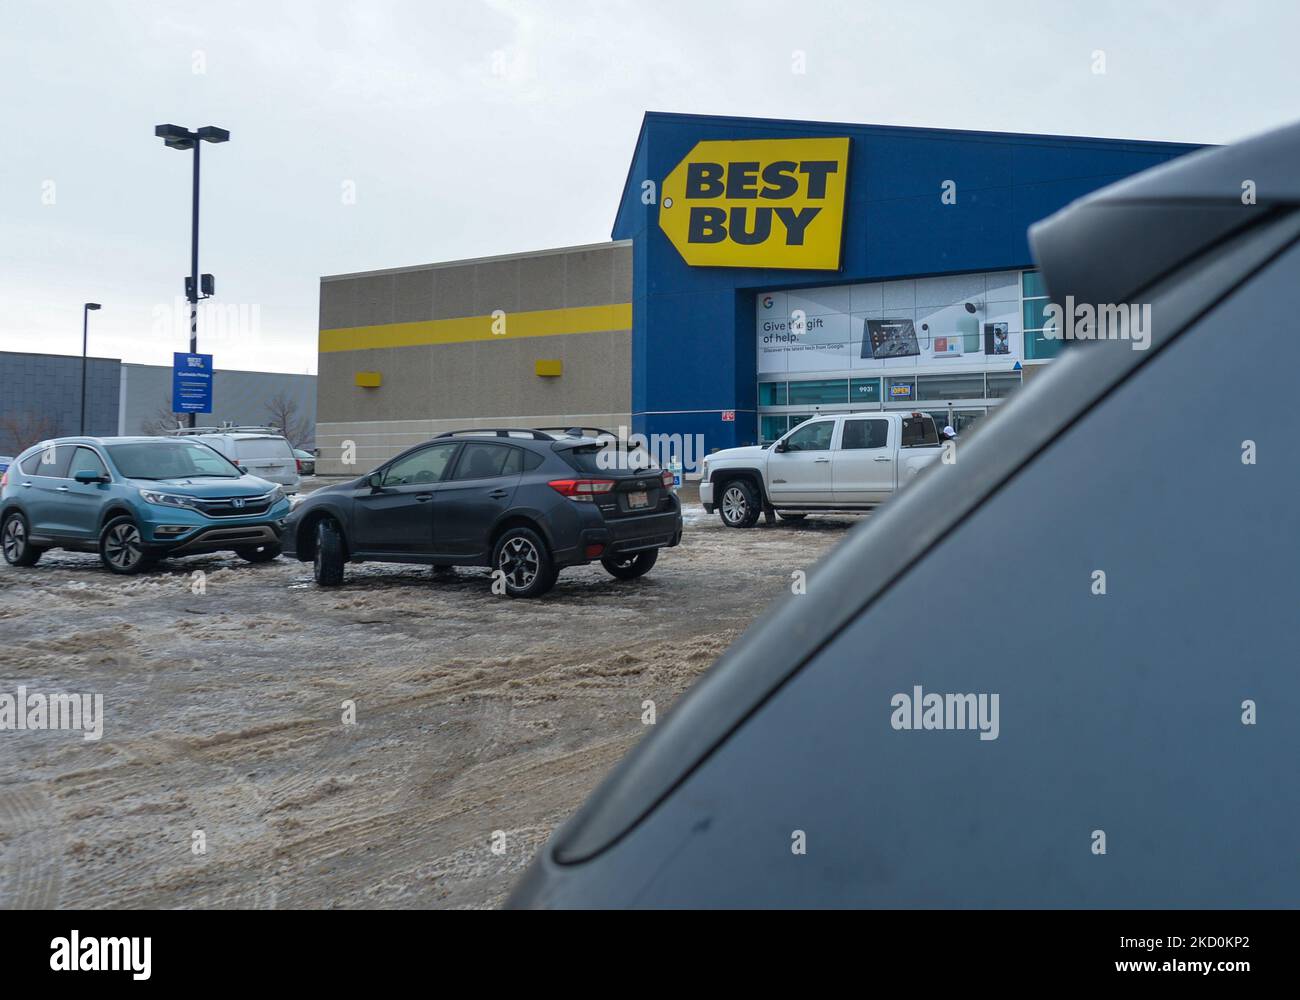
x=191 y=383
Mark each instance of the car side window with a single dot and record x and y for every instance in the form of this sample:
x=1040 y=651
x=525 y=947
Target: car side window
x=865 y=434
x=85 y=460
x=429 y=465
x=811 y=437
x=49 y=461
x=488 y=461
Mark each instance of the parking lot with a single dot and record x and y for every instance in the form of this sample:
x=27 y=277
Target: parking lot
x=479 y=720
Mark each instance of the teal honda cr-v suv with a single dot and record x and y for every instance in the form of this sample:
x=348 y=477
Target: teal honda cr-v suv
x=135 y=501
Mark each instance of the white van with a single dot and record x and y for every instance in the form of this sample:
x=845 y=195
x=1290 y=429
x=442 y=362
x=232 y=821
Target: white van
x=263 y=451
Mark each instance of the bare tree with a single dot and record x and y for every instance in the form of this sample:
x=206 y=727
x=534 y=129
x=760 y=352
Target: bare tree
x=19 y=430
x=163 y=420
x=284 y=415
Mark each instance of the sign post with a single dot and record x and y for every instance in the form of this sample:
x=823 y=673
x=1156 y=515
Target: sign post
x=191 y=383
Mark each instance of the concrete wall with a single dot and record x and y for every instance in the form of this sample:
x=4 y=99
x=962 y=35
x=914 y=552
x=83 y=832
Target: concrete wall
x=460 y=373
x=237 y=397
x=40 y=394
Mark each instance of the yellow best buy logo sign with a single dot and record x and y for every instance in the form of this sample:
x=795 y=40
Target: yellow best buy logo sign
x=758 y=203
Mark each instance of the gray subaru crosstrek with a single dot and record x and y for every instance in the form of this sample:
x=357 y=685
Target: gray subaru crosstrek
x=526 y=503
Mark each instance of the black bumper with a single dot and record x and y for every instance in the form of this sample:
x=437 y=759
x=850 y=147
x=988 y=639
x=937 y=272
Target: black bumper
x=660 y=530
x=220 y=538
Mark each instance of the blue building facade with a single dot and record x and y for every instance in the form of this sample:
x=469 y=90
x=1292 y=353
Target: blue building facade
x=934 y=257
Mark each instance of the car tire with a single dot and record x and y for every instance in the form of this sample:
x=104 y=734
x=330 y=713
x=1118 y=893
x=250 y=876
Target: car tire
x=327 y=566
x=526 y=564
x=790 y=516
x=16 y=541
x=738 y=504
x=259 y=553
x=632 y=565
x=121 y=547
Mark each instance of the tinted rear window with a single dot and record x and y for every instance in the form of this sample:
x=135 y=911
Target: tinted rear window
x=584 y=459
x=263 y=448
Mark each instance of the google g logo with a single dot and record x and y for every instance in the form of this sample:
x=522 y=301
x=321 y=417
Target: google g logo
x=767 y=302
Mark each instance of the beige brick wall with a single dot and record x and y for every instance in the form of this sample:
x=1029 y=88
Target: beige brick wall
x=431 y=388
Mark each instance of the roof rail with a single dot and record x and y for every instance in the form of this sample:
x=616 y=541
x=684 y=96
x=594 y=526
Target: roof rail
x=226 y=429
x=536 y=435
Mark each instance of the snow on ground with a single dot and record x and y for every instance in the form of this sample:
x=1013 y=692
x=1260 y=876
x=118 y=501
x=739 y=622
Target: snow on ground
x=474 y=714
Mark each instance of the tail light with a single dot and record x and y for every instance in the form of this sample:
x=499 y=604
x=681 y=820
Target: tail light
x=581 y=489
x=4 y=479
x=668 y=479
x=298 y=465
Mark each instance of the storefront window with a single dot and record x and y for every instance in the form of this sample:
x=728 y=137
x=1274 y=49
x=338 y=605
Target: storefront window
x=899 y=389
x=864 y=390
x=961 y=421
x=1032 y=283
x=772 y=427
x=1037 y=345
x=966 y=386
x=834 y=390
x=771 y=394
x=1003 y=384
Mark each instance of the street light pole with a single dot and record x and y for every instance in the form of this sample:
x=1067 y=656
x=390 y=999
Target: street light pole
x=194 y=264
x=178 y=137
x=85 y=336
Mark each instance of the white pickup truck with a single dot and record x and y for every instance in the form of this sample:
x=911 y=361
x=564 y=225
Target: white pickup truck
x=851 y=461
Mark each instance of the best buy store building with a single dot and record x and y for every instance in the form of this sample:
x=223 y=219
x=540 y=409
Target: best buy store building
x=760 y=271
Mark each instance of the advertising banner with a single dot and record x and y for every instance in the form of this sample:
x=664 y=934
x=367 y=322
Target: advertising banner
x=962 y=323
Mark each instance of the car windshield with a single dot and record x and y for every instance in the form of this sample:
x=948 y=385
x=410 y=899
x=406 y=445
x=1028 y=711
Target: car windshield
x=170 y=460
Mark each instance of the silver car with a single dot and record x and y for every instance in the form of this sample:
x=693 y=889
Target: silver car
x=264 y=452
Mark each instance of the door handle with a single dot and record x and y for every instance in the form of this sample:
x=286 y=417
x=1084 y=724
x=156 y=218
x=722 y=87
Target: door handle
x=423 y=497
x=498 y=494
x=882 y=458
x=61 y=489
x=821 y=459
x=27 y=486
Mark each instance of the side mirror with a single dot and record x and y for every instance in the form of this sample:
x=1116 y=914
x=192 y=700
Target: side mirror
x=779 y=446
x=243 y=469
x=375 y=480
x=87 y=477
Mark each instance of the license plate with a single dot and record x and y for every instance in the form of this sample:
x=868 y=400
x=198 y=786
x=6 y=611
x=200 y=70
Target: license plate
x=635 y=500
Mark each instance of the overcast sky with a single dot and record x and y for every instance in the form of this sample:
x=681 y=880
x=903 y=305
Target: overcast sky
x=479 y=127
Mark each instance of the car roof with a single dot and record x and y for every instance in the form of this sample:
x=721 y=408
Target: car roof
x=100 y=441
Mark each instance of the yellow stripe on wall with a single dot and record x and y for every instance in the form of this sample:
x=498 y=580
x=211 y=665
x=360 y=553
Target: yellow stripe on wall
x=539 y=323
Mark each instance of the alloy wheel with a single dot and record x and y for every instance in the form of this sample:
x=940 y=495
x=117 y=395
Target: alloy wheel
x=734 y=505
x=15 y=539
x=520 y=562
x=122 y=547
